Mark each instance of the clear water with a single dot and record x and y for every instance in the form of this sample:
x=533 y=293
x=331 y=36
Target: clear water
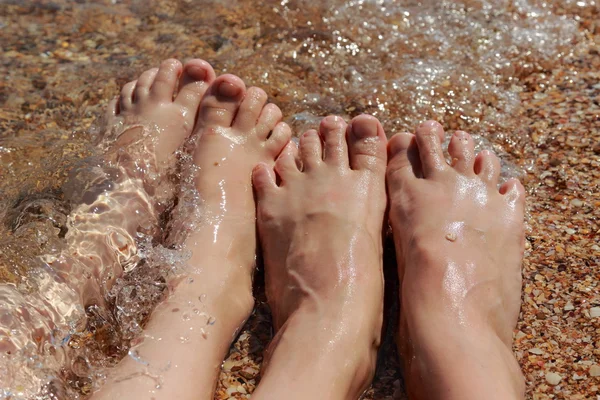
x=78 y=283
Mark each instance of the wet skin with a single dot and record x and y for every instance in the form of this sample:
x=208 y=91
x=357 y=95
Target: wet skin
x=234 y=131
x=459 y=243
x=320 y=209
x=320 y=229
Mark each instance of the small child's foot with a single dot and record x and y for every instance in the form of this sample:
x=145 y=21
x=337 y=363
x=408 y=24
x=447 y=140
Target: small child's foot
x=236 y=129
x=158 y=112
x=459 y=243
x=320 y=230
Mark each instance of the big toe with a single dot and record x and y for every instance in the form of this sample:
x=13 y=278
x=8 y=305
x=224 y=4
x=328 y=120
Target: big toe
x=220 y=105
x=195 y=80
x=367 y=144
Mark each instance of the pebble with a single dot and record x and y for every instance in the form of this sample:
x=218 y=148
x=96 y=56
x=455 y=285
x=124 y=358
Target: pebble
x=595 y=370
x=595 y=312
x=576 y=203
x=553 y=378
x=569 y=306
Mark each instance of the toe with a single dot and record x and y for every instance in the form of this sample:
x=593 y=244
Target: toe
x=269 y=117
x=286 y=165
x=401 y=168
x=367 y=144
x=462 y=152
x=220 y=105
x=430 y=136
x=335 y=149
x=197 y=76
x=311 y=152
x=487 y=166
x=250 y=109
x=263 y=180
x=165 y=81
x=279 y=139
x=144 y=83
x=514 y=192
x=126 y=97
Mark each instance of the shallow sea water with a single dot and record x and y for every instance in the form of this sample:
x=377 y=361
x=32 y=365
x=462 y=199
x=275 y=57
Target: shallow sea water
x=465 y=63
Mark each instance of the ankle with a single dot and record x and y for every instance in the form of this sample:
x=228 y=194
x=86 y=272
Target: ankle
x=336 y=356
x=472 y=361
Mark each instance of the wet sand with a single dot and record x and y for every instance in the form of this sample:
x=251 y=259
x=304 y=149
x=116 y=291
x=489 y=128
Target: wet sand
x=62 y=63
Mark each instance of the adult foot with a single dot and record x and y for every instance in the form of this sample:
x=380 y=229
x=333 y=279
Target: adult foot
x=459 y=243
x=189 y=334
x=320 y=229
x=158 y=112
x=236 y=130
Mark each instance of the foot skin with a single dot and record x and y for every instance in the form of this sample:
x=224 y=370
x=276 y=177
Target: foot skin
x=189 y=334
x=320 y=229
x=158 y=112
x=459 y=243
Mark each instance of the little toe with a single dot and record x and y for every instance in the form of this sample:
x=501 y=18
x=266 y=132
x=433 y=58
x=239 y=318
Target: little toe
x=311 y=152
x=221 y=104
x=367 y=144
x=165 y=81
x=487 y=166
x=462 y=152
x=286 y=165
x=126 y=97
x=401 y=169
x=195 y=80
x=263 y=180
x=144 y=83
x=250 y=109
x=335 y=149
x=280 y=137
x=430 y=136
x=514 y=192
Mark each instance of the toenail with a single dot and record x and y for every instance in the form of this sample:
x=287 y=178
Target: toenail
x=198 y=73
x=462 y=135
x=229 y=89
x=332 y=122
x=364 y=129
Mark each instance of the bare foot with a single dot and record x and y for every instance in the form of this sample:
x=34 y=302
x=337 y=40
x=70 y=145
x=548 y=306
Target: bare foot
x=158 y=112
x=459 y=243
x=320 y=230
x=189 y=334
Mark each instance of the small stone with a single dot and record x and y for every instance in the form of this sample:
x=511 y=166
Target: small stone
x=576 y=203
x=569 y=306
x=553 y=378
x=537 y=351
x=595 y=312
x=451 y=237
x=578 y=377
x=595 y=370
